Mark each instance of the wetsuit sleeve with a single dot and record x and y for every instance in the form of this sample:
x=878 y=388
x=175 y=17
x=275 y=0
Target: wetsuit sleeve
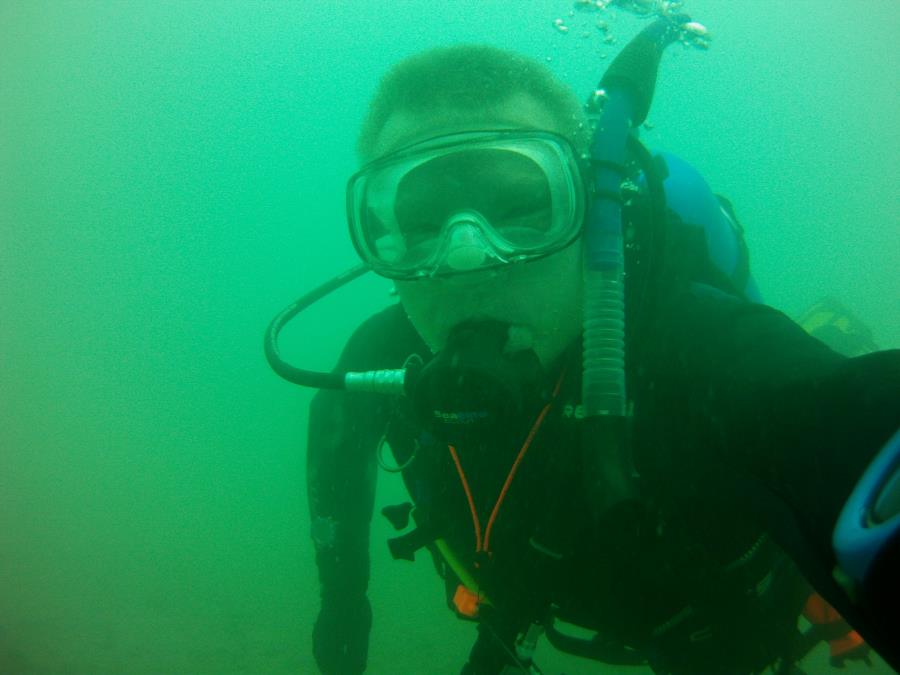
x=782 y=425
x=341 y=488
x=344 y=430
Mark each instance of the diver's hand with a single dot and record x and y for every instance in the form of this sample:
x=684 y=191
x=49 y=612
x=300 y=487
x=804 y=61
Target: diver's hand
x=341 y=634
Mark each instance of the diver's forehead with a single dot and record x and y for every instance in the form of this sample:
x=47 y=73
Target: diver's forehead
x=403 y=128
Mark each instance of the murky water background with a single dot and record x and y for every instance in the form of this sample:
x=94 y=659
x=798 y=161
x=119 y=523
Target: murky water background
x=171 y=174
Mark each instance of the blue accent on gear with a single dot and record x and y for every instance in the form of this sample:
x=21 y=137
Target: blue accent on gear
x=857 y=540
x=689 y=195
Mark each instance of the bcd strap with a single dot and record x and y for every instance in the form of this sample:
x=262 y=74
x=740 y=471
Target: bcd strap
x=405 y=546
x=596 y=648
x=398 y=515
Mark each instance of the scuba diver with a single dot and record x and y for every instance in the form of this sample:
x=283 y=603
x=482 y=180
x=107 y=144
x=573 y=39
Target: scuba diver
x=599 y=423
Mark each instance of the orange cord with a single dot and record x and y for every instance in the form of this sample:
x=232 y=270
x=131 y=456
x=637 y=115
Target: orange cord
x=509 y=478
x=465 y=485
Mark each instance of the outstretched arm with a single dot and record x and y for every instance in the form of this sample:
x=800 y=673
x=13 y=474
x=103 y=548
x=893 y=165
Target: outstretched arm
x=789 y=424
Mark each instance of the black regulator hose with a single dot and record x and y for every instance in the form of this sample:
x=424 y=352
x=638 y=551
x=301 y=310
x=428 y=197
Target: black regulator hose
x=306 y=378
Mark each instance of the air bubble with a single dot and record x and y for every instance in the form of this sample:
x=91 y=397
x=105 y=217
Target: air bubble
x=597 y=100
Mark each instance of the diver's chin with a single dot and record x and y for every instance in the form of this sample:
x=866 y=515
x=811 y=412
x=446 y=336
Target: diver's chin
x=481 y=381
x=521 y=337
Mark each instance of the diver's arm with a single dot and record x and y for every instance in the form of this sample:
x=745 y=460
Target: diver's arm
x=789 y=412
x=341 y=488
x=344 y=429
x=790 y=424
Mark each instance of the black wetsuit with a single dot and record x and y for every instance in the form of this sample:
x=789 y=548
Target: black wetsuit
x=746 y=431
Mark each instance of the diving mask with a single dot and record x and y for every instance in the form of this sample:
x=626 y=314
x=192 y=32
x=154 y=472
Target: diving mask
x=466 y=202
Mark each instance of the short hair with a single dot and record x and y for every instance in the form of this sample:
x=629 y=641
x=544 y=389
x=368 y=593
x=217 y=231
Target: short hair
x=468 y=78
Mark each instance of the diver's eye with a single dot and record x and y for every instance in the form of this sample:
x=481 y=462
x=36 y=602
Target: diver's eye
x=417 y=232
x=531 y=216
x=527 y=212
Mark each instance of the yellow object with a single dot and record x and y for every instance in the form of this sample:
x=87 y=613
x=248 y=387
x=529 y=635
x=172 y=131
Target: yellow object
x=836 y=326
x=460 y=570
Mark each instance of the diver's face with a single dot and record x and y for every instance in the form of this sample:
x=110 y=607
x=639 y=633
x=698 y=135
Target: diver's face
x=541 y=299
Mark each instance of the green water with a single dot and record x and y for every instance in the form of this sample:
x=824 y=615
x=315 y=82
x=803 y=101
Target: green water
x=171 y=174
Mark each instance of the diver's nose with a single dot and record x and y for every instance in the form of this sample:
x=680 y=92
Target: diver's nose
x=467 y=248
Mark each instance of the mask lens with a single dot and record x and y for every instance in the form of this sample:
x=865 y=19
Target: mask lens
x=522 y=188
x=508 y=189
